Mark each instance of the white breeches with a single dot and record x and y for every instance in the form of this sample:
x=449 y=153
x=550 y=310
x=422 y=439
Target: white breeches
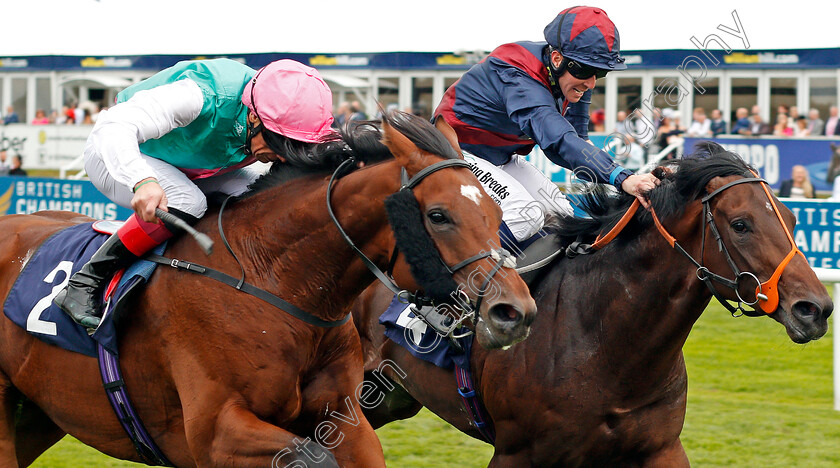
x=182 y=193
x=524 y=193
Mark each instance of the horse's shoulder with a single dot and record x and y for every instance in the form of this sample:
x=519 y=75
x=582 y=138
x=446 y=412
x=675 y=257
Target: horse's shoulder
x=28 y=230
x=75 y=218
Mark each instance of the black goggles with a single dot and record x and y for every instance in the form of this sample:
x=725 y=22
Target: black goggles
x=584 y=72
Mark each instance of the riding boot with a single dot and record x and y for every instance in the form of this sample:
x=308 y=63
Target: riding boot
x=80 y=298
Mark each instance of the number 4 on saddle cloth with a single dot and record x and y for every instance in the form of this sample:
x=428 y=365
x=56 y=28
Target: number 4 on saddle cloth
x=405 y=328
x=45 y=273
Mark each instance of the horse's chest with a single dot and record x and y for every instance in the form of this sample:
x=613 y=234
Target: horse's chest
x=615 y=434
x=649 y=426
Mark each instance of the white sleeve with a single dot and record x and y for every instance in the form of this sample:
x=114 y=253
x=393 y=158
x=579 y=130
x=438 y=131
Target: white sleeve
x=147 y=115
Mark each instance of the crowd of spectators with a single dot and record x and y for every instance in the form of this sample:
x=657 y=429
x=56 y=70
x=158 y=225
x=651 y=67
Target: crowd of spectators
x=70 y=114
x=789 y=123
x=10 y=166
x=349 y=111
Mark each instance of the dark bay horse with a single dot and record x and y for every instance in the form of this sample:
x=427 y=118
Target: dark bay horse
x=601 y=380
x=221 y=378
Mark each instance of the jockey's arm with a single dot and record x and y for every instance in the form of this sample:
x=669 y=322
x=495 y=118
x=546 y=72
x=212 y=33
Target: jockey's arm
x=147 y=115
x=532 y=107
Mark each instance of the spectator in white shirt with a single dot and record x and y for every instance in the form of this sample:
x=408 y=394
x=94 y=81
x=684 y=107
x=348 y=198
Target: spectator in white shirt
x=4 y=163
x=621 y=123
x=630 y=155
x=831 y=124
x=701 y=127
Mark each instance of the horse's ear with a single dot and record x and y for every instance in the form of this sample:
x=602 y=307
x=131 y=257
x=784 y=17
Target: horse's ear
x=404 y=151
x=715 y=184
x=662 y=172
x=448 y=133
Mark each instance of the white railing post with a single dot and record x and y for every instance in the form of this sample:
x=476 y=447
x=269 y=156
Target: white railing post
x=830 y=275
x=836 y=352
x=76 y=164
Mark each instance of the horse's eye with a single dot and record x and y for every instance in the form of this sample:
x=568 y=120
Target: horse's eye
x=739 y=226
x=437 y=216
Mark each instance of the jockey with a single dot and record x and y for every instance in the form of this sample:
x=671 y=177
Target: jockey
x=538 y=93
x=194 y=128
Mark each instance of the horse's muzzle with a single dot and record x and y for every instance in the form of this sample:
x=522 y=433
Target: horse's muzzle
x=503 y=324
x=810 y=320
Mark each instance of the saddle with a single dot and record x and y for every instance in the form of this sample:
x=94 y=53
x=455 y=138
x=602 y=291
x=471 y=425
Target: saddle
x=537 y=256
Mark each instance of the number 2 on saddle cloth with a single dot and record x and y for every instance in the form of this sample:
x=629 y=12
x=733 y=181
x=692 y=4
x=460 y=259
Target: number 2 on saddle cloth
x=29 y=303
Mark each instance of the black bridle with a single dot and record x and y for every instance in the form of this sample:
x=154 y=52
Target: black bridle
x=456 y=295
x=708 y=277
x=766 y=293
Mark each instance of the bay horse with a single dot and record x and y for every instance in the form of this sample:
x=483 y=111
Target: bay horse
x=601 y=380
x=218 y=377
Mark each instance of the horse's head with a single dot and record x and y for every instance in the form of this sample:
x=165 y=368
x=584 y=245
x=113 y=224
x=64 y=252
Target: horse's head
x=446 y=229
x=747 y=236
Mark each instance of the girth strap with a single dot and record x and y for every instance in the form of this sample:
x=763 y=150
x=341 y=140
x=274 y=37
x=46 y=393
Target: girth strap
x=247 y=288
x=472 y=403
x=109 y=368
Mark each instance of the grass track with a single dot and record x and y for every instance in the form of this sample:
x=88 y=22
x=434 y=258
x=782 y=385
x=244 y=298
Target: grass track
x=755 y=400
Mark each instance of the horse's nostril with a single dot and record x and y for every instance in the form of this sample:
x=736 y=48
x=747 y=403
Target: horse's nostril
x=806 y=309
x=505 y=315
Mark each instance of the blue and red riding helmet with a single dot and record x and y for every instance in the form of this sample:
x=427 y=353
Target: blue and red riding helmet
x=586 y=35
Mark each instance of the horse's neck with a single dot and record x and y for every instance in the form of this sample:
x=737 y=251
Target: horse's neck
x=633 y=307
x=289 y=245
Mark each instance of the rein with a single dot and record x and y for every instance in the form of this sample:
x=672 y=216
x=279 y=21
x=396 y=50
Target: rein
x=766 y=293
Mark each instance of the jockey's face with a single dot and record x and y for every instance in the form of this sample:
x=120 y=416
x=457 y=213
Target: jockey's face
x=259 y=148
x=571 y=87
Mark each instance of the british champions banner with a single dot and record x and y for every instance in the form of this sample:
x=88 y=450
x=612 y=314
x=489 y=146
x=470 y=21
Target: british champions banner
x=817 y=232
x=26 y=195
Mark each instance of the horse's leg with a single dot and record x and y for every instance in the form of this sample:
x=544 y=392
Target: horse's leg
x=9 y=397
x=396 y=404
x=672 y=456
x=234 y=436
x=35 y=433
x=341 y=426
x=348 y=434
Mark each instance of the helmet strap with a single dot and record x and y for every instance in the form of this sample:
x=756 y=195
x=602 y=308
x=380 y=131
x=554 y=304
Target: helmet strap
x=252 y=131
x=554 y=73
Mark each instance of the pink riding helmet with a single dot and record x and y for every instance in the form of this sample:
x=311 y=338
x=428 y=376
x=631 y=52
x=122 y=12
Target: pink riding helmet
x=292 y=100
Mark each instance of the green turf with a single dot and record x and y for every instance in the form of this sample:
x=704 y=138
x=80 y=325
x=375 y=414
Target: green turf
x=755 y=400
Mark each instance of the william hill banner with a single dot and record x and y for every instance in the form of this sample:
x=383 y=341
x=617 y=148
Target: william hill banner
x=26 y=195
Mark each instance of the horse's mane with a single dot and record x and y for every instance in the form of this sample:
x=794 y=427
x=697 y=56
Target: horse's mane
x=360 y=140
x=679 y=188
